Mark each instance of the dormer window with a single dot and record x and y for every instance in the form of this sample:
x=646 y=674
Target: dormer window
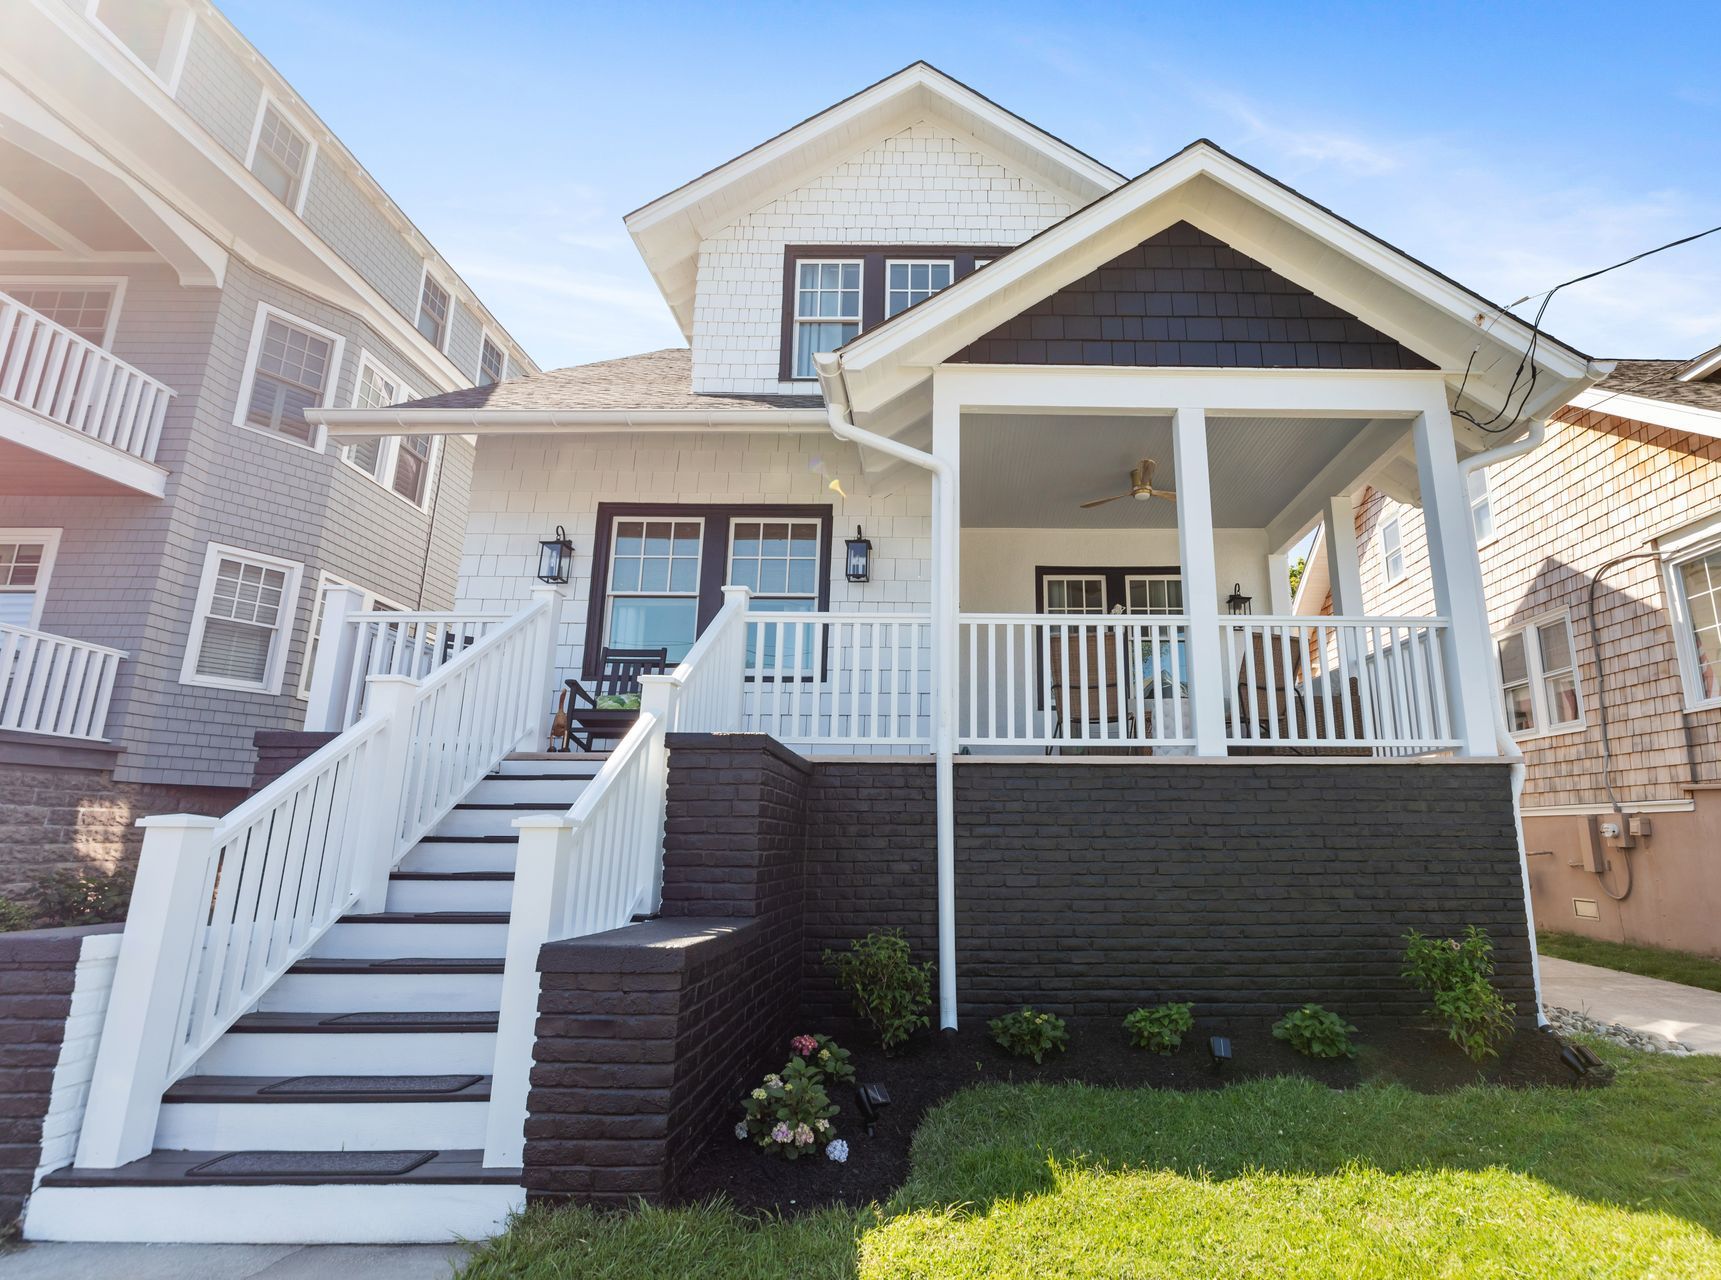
x=280 y=157
x=827 y=309
x=910 y=282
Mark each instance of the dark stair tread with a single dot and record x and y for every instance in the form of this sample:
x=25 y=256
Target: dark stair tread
x=523 y=806
x=398 y=1022
x=405 y=964
x=363 y=1089
x=508 y=839
x=169 y=1169
x=451 y=875
x=545 y=777
x=427 y=917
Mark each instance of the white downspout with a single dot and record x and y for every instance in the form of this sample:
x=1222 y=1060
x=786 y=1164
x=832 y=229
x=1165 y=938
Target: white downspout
x=1508 y=745
x=944 y=646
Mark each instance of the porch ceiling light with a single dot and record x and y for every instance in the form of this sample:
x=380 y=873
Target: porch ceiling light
x=859 y=560
x=554 y=557
x=1237 y=602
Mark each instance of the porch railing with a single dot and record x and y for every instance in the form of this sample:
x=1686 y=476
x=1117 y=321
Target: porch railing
x=55 y=685
x=847 y=680
x=224 y=906
x=385 y=643
x=49 y=370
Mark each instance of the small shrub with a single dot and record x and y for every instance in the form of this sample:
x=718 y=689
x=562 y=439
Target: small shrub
x=829 y=1061
x=1160 y=1027
x=789 y=1114
x=66 y=898
x=1030 y=1034
x=15 y=915
x=888 y=990
x=1457 y=974
x=1317 y=1032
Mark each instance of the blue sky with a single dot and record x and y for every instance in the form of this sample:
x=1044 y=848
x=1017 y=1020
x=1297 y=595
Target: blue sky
x=1510 y=147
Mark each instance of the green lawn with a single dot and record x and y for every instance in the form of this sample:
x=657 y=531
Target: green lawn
x=1651 y=962
x=1267 y=1178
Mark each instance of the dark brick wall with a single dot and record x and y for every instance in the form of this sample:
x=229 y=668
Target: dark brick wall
x=279 y=750
x=37 y=970
x=1092 y=889
x=1184 y=299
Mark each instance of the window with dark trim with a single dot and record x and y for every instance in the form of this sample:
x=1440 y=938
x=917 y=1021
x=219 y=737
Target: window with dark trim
x=891 y=278
x=1091 y=589
x=695 y=549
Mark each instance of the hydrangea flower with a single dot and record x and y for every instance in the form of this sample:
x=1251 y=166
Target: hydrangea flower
x=782 y=1133
x=803 y=1045
x=759 y=1095
x=773 y=1078
x=838 y=1151
x=740 y=1128
x=822 y=1125
x=803 y=1136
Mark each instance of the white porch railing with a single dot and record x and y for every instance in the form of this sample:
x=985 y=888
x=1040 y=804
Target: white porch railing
x=596 y=866
x=55 y=685
x=223 y=907
x=406 y=644
x=841 y=680
x=51 y=371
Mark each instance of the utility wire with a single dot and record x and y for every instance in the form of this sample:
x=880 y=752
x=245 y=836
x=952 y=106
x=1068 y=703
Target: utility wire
x=1529 y=356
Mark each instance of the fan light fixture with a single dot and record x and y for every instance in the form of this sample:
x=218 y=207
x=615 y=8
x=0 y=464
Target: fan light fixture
x=1140 y=487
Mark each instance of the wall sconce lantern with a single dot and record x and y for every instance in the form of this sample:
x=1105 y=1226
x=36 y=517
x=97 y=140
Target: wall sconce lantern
x=859 y=558
x=1237 y=602
x=554 y=556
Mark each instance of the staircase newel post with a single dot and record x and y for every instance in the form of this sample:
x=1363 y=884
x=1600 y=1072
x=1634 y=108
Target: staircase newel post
x=540 y=904
x=388 y=786
x=162 y=940
x=659 y=698
x=542 y=706
x=337 y=650
x=735 y=679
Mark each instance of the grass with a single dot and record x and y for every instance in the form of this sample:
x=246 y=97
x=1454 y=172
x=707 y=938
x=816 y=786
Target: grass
x=1627 y=957
x=1278 y=1177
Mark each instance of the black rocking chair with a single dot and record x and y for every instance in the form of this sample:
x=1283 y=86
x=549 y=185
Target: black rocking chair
x=617 y=680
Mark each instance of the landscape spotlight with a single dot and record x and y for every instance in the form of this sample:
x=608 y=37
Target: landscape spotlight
x=1219 y=1049
x=1579 y=1059
x=871 y=1099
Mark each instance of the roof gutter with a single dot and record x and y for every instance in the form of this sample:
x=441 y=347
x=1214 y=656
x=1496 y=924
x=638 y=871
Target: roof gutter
x=528 y=421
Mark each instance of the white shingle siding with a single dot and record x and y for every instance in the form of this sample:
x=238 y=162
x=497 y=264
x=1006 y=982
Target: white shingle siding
x=69 y=1094
x=524 y=486
x=923 y=185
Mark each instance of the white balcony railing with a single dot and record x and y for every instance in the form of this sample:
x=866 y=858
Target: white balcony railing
x=54 y=685
x=51 y=371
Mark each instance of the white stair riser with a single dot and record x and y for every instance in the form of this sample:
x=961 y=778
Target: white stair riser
x=363 y=941
x=319 y=1126
x=328 y=1214
x=450 y=895
x=383 y=992
x=565 y=765
x=429 y=855
x=482 y=822
x=349 y=1053
x=553 y=793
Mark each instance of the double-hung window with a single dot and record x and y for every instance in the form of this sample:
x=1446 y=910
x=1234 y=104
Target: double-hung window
x=433 y=311
x=907 y=283
x=778 y=560
x=1539 y=678
x=1154 y=593
x=1695 y=584
x=292 y=368
x=88 y=309
x=1073 y=593
x=490 y=363
x=26 y=560
x=401 y=463
x=827 y=309
x=654 y=585
x=1392 y=549
x=1481 y=506
x=242 y=621
x=281 y=157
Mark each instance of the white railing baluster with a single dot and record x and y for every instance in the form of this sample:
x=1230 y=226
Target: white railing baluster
x=55 y=685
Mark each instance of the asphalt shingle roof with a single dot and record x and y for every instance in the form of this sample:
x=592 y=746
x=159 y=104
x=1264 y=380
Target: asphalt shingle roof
x=653 y=380
x=1655 y=380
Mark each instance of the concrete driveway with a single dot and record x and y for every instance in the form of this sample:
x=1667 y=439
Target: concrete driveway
x=228 y=1261
x=1689 y=1014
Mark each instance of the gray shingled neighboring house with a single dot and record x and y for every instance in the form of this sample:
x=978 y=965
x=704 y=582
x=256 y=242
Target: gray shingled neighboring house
x=189 y=259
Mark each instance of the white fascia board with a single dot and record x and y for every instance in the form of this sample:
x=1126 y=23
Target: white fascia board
x=1701 y=367
x=1659 y=413
x=369 y=422
x=39 y=435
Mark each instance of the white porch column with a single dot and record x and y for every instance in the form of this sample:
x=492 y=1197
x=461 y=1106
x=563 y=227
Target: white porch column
x=1207 y=673
x=1457 y=573
x=337 y=648
x=946 y=672
x=1344 y=569
x=1279 y=583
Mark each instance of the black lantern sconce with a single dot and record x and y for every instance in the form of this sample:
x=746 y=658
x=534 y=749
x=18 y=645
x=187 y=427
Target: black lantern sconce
x=1237 y=602
x=859 y=561
x=554 y=557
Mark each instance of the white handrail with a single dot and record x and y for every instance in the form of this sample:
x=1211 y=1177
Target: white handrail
x=848 y=679
x=48 y=369
x=390 y=643
x=223 y=907
x=55 y=685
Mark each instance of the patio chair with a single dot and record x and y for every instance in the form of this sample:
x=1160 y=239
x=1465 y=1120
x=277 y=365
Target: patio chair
x=608 y=709
x=1098 y=688
x=1275 y=702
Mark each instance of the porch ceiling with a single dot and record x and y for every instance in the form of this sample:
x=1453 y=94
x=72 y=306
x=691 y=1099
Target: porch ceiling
x=1030 y=471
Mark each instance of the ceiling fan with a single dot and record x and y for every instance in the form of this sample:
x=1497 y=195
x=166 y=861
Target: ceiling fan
x=1140 y=486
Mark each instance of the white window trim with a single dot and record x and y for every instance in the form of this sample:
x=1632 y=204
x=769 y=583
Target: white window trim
x=1396 y=524
x=319 y=434
x=50 y=540
x=266 y=101
x=1145 y=578
x=1692 y=542
x=1538 y=679
x=1493 y=509
x=910 y=262
x=1048 y=579
x=798 y=320
x=418 y=309
x=115 y=283
x=284 y=629
x=325 y=580
x=174 y=45
x=609 y=569
x=389 y=450
x=484 y=335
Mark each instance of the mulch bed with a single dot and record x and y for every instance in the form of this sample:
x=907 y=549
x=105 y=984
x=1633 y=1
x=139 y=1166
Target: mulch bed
x=932 y=1067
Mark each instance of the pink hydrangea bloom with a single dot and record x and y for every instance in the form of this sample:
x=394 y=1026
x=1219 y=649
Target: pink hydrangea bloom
x=803 y=1136
x=782 y=1133
x=804 y=1045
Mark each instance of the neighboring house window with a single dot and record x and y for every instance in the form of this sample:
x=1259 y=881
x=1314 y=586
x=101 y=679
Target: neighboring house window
x=490 y=363
x=1481 y=506
x=664 y=567
x=242 y=621
x=372 y=603
x=1538 y=677
x=155 y=32
x=1073 y=594
x=1392 y=549
x=412 y=467
x=433 y=311
x=281 y=158
x=827 y=310
x=87 y=309
x=26 y=561
x=401 y=463
x=907 y=283
x=1697 y=582
x=291 y=369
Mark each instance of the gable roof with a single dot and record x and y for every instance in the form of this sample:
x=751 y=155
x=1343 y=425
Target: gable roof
x=1256 y=215
x=1657 y=392
x=668 y=230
